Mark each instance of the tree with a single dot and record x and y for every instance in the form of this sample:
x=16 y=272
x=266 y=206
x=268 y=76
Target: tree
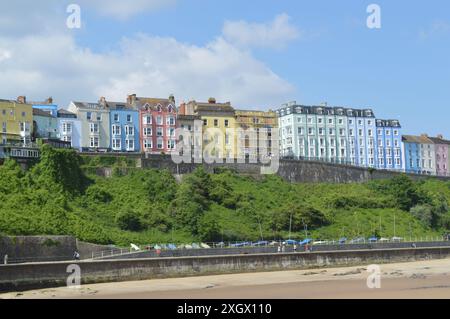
x=129 y=220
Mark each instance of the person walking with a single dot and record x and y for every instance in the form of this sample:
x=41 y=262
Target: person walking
x=5 y=259
x=295 y=248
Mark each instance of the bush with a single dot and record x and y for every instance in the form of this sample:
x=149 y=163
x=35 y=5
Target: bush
x=129 y=221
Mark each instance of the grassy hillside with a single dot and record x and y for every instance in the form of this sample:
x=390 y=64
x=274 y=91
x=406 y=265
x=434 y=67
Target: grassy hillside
x=147 y=206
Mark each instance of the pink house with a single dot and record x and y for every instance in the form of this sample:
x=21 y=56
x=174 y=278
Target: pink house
x=157 y=123
x=441 y=148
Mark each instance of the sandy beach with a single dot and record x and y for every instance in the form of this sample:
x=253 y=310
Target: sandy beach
x=422 y=279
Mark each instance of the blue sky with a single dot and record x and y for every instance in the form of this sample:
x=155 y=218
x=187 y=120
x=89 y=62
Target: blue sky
x=323 y=51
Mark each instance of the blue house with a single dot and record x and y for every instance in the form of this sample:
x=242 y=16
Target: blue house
x=124 y=127
x=389 y=145
x=47 y=106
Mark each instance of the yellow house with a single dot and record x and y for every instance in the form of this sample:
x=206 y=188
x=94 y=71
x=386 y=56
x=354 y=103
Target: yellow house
x=252 y=143
x=218 y=126
x=16 y=120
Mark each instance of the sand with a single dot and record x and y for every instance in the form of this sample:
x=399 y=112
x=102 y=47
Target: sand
x=422 y=279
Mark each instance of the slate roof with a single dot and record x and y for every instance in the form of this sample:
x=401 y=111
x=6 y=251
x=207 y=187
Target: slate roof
x=38 y=112
x=422 y=139
x=324 y=110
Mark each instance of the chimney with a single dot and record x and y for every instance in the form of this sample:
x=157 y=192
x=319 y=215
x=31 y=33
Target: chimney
x=440 y=136
x=172 y=98
x=102 y=101
x=182 y=109
x=22 y=99
x=49 y=100
x=131 y=99
x=212 y=100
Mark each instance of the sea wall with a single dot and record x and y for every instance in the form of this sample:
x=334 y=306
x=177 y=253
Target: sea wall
x=39 y=275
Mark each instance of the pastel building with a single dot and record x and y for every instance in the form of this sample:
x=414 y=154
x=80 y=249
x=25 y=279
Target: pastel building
x=69 y=128
x=47 y=106
x=125 y=128
x=362 y=137
x=263 y=125
x=442 y=151
x=16 y=120
x=157 y=123
x=315 y=132
x=95 y=125
x=219 y=123
x=45 y=125
x=389 y=145
x=419 y=154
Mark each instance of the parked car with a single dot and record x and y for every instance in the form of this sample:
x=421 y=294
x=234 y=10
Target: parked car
x=290 y=242
x=384 y=240
x=342 y=240
x=397 y=239
x=195 y=246
x=320 y=242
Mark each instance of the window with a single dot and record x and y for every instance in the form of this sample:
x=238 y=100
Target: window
x=24 y=114
x=88 y=116
x=170 y=131
x=170 y=144
x=342 y=132
x=370 y=132
x=129 y=118
x=4 y=127
x=216 y=122
x=359 y=122
x=116 y=144
x=93 y=128
x=350 y=132
x=341 y=121
x=147 y=119
x=350 y=122
x=330 y=121
x=205 y=122
x=170 y=120
x=94 y=141
x=388 y=132
x=369 y=122
x=116 y=130
x=129 y=130
x=300 y=130
x=226 y=123
x=320 y=131
x=395 y=132
x=148 y=143
x=360 y=132
x=159 y=143
x=116 y=117
x=159 y=120
x=310 y=131
x=99 y=116
x=320 y=120
x=147 y=131
x=331 y=131
x=130 y=144
x=4 y=112
x=159 y=131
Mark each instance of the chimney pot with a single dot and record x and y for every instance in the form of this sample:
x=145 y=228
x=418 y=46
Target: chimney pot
x=22 y=99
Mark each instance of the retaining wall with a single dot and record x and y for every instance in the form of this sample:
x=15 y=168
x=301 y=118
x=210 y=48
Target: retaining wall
x=38 y=275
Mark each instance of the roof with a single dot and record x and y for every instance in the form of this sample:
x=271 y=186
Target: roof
x=182 y=117
x=438 y=140
x=66 y=114
x=388 y=123
x=152 y=103
x=293 y=108
x=39 y=112
x=88 y=105
x=119 y=106
x=422 y=139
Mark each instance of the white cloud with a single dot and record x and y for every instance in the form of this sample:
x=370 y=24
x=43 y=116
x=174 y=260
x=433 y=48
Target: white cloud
x=40 y=64
x=123 y=9
x=271 y=35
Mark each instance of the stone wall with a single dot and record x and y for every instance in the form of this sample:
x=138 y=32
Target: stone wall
x=39 y=275
x=37 y=248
